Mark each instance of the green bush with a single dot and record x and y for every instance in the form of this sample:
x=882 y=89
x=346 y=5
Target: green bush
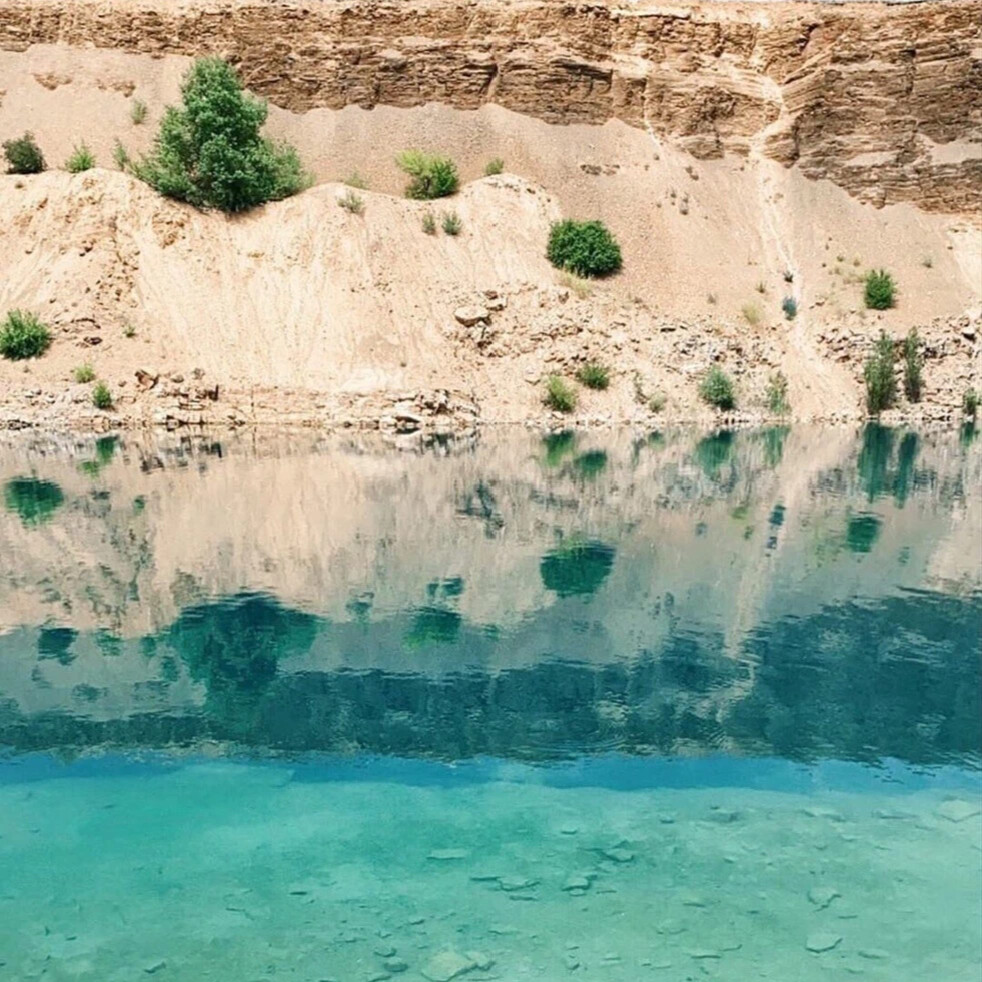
x=355 y=180
x=777 y=395
x=430 y=175
x=594 y=375
x=210 y=152
x=429 y=223
x=494 y=166
x=881 y=385
x=790 y=307
x=352 y=202
x=138 y=112
x=880 y=290
x=22 y=335
x=913 y=366
x=717 y=389
x=584 y=248
x=970 y=403
x=84 y=373
x=121 y=157
x=23 y=156
x=101 y=396
x=451 y=223
x=559 y=395
x=80 y=160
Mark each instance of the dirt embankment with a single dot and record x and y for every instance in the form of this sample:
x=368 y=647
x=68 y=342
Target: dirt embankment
x=741 y=154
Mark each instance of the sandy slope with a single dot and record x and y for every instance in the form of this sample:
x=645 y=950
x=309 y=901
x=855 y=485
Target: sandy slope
x=302 y=308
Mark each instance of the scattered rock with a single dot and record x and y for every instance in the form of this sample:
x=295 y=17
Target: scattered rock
x=577 y=882
x=821 y=897
x=395 y=965
x=445 y=855
x=155 y=967
x=877 y=954
x=448 y=965
x=618 y=854
x=958 y=810
x=470 y=315
x=823 y=941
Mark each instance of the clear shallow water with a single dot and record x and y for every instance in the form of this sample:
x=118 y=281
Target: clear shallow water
x=601 y=707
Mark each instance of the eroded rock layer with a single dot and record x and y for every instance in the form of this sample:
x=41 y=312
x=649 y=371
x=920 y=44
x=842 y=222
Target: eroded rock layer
x=884 y=100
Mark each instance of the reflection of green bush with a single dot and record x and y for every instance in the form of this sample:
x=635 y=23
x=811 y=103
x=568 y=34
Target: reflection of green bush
x=56 y=642
x=105 y=448
x=576 y=567
x=862 y=532
x=236 y=643
x=591 y=463
x=433 y=625
x=35 y=501
x=558 y=445
x=712 y=452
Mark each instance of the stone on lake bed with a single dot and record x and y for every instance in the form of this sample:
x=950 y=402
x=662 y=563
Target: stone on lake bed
x=510 y=884
x=577 y=881
x=447 y=965
x=821 y=897
x=876 y=954
x=446 y=855
x=703 y=953
x=395 y=965
x=618 y=854
x=823 y=941
x=959 y=810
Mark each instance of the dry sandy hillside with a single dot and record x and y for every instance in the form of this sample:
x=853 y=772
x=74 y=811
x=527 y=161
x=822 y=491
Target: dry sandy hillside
x=672 y=125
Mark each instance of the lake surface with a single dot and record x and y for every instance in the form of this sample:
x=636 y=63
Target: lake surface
x=670 y=706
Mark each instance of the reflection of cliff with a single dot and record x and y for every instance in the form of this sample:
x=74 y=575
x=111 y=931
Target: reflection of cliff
x=898 y=677
x=346 y=531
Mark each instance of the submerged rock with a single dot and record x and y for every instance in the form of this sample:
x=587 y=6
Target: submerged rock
x=958 y=810
x=618 y=854
x=821 y=897
x=823 y=941
x=447 y=855
x=451 y=964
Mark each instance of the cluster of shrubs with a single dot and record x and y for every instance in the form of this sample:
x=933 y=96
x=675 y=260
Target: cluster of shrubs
x=561 y=396
x=879 y=372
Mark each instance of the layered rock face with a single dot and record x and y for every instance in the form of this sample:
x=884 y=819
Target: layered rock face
x=884 y=100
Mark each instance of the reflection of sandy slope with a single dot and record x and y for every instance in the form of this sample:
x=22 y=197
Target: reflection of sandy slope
x=320 y=530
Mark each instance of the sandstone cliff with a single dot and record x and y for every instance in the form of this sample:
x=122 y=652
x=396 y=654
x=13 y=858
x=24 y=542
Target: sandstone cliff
x=884 y=100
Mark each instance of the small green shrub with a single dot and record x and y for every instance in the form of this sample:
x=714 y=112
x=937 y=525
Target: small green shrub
x=22 y=335
x=881 y=384
x=429 y=223
x=129 y=330
x=717 y=389
x=494 y=166
x=138 y=112
x=451 y=223
x=584 y=248
x=656 y=403
x=23 y=156
x=761 y=286
x=913 y=366
x=559 y=395
x=121 y=157
x=210 y=153
x=594 y=375
x=352 y=202
x=101 y=396
x=880 y=290
x=790 y=307
x=970 y=403
x=80 y=160
x=581 y=287
x=430 y=175
x=777 y=395
x=751 y=314
x=84 y=373
x=789 y=276
x=355 y=180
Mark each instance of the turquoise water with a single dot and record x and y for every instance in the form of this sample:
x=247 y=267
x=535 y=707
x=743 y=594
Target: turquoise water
x=613 y=706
